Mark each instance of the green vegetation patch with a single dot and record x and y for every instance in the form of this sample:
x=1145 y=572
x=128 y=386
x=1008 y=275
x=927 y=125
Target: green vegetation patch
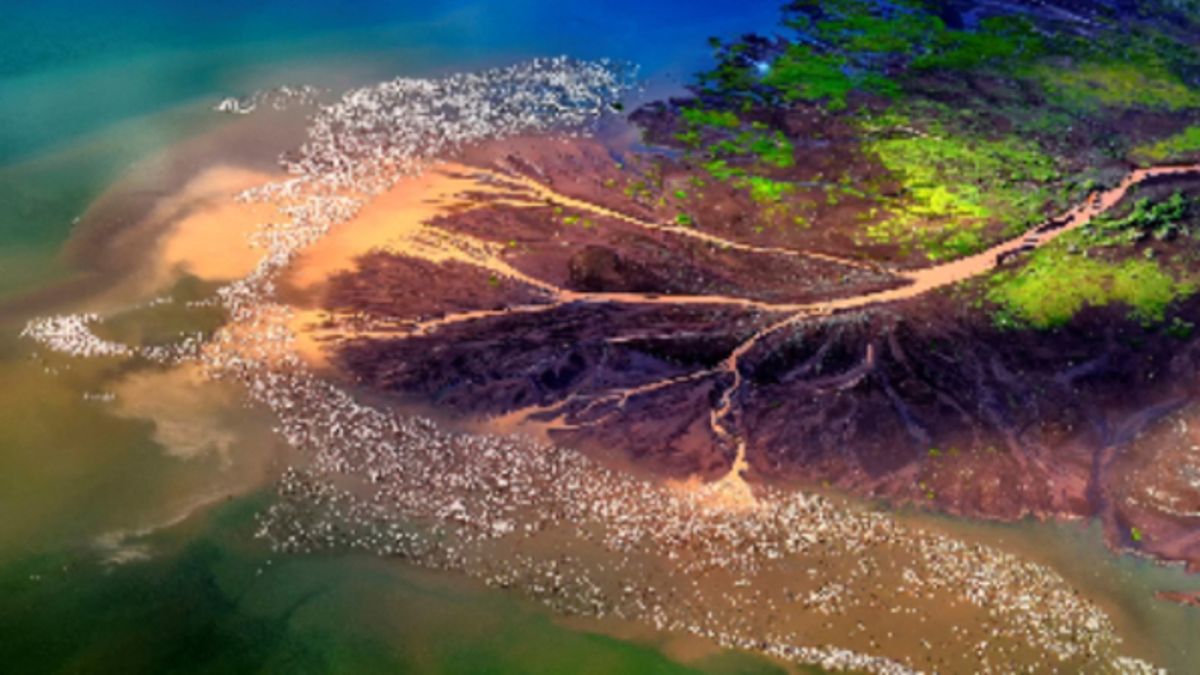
x=1165 y=219
x=722 y=171
x=765 y=190
x=1000 y=42
x=773 y=149
x=954 y=185
x=722 y=119
x=1117 y=85
x=800 y=74
x=1056 y=284
x=864 y=27
x=1063 y=278
x=1175 y=147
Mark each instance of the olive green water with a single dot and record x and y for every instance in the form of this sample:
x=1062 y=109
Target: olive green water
x=210 y=600
x=1123 y=585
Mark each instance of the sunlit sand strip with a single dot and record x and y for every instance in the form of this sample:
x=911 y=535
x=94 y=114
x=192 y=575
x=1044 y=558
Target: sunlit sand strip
x=200 y=230
x=212 y=239
x=922 y=281
x=729 y=493
x=398 y=221
x=539 y=421
x=622 y=397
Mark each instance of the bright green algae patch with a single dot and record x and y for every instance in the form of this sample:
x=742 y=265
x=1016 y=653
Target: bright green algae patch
x=711 y=118
x=1067 y=276
x=765 y=190
x=772 y=149
x=1056 y=284
x=756 y=147
x=954 y=185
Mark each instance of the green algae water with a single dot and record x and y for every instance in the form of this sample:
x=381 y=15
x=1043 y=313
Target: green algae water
x=218 y=603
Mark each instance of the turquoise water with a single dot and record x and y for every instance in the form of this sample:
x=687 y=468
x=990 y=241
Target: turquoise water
x=71 y=68
x=89 y=88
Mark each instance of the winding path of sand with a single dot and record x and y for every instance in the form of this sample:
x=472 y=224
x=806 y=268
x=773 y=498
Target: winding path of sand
x=933 y=278
x=731 y=487
x=919 y=281
x=414 y=207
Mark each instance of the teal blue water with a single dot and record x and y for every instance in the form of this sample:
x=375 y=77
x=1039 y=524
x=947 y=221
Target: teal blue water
x=68 y=68
x=87 y=88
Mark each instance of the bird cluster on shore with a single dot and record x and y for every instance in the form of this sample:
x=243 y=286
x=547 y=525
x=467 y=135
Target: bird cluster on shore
x=277 y=98
x=549 y=521
x=72 y=334
x=371 y=136
x=591 y=541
